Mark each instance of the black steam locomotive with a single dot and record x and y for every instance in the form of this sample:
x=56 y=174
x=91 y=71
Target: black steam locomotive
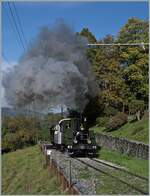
x=71 y=135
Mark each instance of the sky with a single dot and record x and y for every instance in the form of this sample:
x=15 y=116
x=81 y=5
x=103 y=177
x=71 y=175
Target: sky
x=101 y=18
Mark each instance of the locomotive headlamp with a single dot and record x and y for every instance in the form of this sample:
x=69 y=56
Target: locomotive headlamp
x=88 y=141
x=69 y=147
x=75 y=141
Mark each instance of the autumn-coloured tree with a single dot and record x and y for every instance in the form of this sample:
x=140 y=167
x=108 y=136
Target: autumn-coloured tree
x=121 y=71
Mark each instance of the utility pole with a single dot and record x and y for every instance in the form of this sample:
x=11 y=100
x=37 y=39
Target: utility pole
x=62 y=115
x=70 y=172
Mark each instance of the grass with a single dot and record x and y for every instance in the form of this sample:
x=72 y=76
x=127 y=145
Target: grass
x=84 y=173
x=23 y=173
x=135 y=165
x=138 y=131
x=108 y=186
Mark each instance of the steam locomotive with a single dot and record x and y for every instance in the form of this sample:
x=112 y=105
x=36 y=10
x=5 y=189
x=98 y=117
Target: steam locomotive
x=71 y=135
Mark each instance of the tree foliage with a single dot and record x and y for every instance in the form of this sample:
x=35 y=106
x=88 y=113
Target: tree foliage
x=86 y=33
x=121 y=72
x=18 y=132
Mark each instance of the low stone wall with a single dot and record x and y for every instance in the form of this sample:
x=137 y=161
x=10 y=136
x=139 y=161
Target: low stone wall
x=122 y=145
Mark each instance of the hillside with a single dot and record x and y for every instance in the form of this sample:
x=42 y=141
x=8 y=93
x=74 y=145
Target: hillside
x=23 y=173
x=138 y=130
x=12 y=112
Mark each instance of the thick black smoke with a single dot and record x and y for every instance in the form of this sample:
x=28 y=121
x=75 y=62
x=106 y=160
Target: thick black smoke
x=54 y=71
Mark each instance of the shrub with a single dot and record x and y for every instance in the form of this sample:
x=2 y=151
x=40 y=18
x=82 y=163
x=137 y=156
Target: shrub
x=110 y=111
x=116 y=121
x=101 y=121
x=18 y=132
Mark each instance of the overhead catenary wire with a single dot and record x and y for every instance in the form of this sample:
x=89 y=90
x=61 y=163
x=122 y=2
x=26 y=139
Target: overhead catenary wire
x=20 y=24
x=117 y=44
x=13 y=26
x=142 y=44
x=15 y=23
x=5 y=58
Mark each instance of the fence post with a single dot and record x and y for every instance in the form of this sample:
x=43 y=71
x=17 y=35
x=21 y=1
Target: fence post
x=70 y=172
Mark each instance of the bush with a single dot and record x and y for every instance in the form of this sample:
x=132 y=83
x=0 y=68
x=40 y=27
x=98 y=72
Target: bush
x=18 y=132
x=116 y=121
x=110 y=111
x=101 y=121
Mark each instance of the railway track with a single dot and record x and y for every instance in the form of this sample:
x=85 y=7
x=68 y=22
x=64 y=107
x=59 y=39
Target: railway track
x=133 y=181
x=120 y=169
x=114 y=179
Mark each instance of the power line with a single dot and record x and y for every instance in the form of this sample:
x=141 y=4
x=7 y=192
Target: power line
x=13 y=27
x=19 y=22
x=13 y=17
x=5 y=58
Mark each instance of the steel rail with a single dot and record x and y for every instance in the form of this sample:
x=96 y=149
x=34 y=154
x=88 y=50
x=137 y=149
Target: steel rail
x=108 y=174
x=121 y=169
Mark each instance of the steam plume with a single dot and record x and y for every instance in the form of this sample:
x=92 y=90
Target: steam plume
x=53 y=71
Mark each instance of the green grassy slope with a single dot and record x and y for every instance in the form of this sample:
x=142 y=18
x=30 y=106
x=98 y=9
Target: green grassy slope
x=23 y=173
x=138 y=130
x=133 y=164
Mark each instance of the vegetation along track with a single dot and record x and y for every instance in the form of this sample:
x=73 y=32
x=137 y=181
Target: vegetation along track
x=135 y=182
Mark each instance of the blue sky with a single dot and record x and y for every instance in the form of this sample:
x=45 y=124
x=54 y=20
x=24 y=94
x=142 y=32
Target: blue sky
x=101 y=18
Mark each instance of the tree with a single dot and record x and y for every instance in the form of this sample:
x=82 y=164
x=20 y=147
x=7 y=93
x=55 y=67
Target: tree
x=134 y=31
x=19 y=132
x=109 y=75
x=134 y=59
x=121 y=72
x=86 y=33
